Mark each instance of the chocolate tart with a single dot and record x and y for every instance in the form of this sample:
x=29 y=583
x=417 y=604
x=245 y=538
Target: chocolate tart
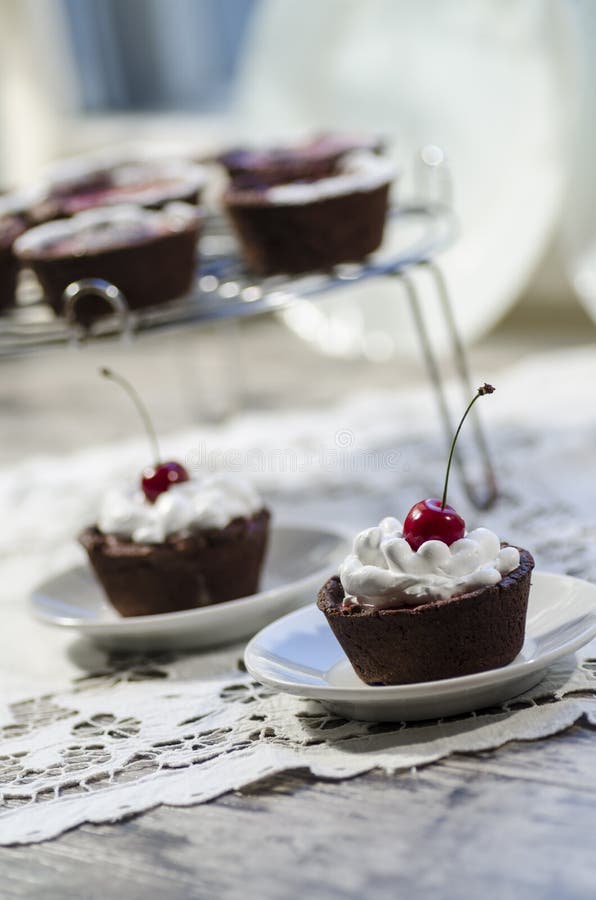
x=11 y=227
x=76 y=185
x=473 y=632
x=151 y=256
x=308 y=237
x=306 y=161
x=196 y=569
x=309 y=206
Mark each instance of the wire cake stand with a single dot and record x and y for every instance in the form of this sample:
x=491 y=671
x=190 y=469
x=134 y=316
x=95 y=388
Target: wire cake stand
x=225 y=290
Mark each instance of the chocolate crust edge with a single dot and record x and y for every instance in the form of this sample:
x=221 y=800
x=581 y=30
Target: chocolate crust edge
x=296 y=238
x=185 y=572
x=480 y=630
x=151 y=272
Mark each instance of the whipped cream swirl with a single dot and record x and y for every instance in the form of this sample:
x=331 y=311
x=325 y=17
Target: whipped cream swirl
x=193 y=505
x=384 y=571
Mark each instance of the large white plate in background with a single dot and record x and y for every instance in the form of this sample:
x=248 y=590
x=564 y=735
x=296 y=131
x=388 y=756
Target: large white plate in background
x=490 y=82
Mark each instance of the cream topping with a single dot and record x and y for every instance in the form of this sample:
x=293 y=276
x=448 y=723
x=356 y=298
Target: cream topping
x=357 y=172
x=164 y=177
x=10 y=205
x=384 y=571
x=104 y=227
x=211 y=502
x=18 y=202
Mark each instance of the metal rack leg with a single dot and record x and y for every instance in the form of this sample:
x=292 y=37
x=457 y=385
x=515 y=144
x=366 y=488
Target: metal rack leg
x=484 y=497
x=105 y=290
x=461 y=362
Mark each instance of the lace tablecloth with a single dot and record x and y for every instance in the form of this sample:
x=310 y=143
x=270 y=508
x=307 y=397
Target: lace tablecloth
x=87 y=737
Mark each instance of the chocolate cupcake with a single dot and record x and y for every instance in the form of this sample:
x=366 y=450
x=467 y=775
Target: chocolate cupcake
x=306 y=225
x=76 y=185
x=150 y=256
x=10 y=228
x=305 y=161
x=405 y=616
x=12 y=224
x=201 y=542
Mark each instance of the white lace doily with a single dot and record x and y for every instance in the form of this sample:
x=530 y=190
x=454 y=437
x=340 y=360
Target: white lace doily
x=90 y=738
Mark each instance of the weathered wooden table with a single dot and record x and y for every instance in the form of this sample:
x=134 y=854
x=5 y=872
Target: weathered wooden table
x=518 y=822
x=514 y=823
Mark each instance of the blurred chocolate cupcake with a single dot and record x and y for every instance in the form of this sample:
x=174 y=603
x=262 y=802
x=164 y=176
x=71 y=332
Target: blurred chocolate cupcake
x=308 y=225
x=150 y=255
x=12 y=224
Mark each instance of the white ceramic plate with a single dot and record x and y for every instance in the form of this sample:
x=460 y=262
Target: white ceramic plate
x=299 y=560
x=299 y=655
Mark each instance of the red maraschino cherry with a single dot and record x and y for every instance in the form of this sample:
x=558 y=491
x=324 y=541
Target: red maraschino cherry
x=159 y=477
x=435 y=520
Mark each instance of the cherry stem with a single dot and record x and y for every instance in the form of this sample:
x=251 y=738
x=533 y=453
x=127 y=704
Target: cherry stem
x=141 y=409
x=485 y=389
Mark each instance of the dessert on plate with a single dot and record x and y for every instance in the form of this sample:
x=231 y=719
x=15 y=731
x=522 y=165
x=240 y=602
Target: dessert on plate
x=173 y=542
x=75 y=185
x=427 y=600
x=150 y=255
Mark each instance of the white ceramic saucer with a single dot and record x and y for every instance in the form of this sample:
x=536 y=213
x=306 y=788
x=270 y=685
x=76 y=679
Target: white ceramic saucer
x=299 y=560
x=299 y=655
